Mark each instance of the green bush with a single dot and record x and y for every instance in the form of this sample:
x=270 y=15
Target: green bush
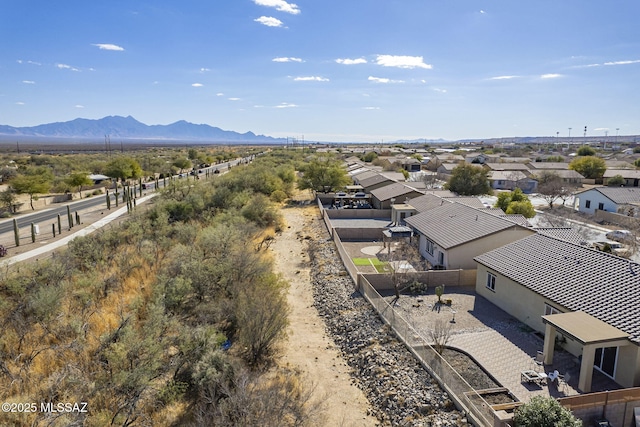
x=543 y=411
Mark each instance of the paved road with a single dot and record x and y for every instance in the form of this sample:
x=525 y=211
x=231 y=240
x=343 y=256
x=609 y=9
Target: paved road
x=51 y=214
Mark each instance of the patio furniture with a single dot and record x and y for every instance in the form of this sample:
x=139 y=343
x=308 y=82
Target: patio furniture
x=563 y=381
x=539 y=359
x=531 y=376
x=554 y=376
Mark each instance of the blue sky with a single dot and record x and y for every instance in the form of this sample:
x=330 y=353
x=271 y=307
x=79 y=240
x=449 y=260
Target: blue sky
x=356 y=70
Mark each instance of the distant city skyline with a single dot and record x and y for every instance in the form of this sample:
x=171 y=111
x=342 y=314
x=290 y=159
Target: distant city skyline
x=329 y=71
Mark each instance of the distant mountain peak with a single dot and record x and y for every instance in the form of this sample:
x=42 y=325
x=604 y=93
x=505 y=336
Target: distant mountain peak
x=130 y=128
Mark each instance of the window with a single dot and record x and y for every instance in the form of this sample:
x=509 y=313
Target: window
x=429 y=247
x=605 y=360
x=550 y=310
x=601 y=206
x=491 y=281
x=587 y=204
x=440 y=258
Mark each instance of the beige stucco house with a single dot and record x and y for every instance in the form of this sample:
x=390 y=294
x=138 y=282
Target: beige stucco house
x=452 y=234
x=587 y=298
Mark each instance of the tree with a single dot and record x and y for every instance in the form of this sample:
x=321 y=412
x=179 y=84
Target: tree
x=524 y=208
x=182 y=163
x=323 y=175
x=8 y=199
x=543 y=411
x=550 y=186
x=123 y=168
x=615 y=181
x=515 y=202
x=586 y=151
x=590 y=167
x=469 y=180
x=35 y=181
x=78 y=180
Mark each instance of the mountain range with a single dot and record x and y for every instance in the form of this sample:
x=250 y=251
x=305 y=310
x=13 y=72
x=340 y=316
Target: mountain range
x=130 y=128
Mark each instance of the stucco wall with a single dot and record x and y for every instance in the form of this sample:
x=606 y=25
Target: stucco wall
x=462 y=256
x=382 y=282
x=596 y=198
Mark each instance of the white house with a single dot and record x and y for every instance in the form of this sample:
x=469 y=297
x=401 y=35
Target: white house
x=610 y=199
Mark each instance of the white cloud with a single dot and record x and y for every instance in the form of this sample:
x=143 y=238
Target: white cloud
x=383 y=80
x=503 y=77
x=347 y=61
x=66 y=67
x=635 y=61
x=287 y=59
x=435 y=89
x=269 y=21
x=311 y=79
x=20 y=61
x=234 y=99
x=28 y=82
x=550 y=76
x=205 y=70
x=108 y=46
x=286 y=105
x=605 y=64
x=280 y=5
x=20 y=103
x=197 y=85
x=219 y=94
x=79 y=106
x=482 y=12
x=371 y=108
x=401 y=61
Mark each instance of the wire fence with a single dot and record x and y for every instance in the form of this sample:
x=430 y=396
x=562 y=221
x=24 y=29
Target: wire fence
x=466 y=398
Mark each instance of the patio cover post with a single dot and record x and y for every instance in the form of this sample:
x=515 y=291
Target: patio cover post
x=549 y=343
x=586 y=367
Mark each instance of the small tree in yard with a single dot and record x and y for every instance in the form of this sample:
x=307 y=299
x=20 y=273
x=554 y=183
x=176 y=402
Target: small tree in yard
x=543 y=411
x=34 y=182
x=469 y=180
x=615 y=181
x=550 y=186
x=78 y=180
x=8 y=199
x=440 y=334
x=590 y=167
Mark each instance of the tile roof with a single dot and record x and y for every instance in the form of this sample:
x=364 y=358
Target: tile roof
x=454 y=224
x=507 y=166
x=567 y=234
x=373 y=180
x=549 y=165
x=392 y=190
x=625 y=173
x=473 y=202
x=576 y=277
x=427 y=202
x=506 y=175
x=618 y=195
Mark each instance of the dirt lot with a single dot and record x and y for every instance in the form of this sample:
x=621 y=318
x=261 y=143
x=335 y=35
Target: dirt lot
x=308 y=348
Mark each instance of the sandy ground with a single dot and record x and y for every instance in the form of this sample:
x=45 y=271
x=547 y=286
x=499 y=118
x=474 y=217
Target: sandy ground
x=308 y=348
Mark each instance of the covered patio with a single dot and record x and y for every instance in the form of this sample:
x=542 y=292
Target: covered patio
x=594 y=335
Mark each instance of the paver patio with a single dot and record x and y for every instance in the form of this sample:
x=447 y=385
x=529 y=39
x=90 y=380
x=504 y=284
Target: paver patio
x=501 y=344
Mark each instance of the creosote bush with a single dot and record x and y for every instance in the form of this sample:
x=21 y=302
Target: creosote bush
x=171 y=318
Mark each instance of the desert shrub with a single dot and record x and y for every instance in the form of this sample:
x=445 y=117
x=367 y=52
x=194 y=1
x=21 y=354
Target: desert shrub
x=543 y=411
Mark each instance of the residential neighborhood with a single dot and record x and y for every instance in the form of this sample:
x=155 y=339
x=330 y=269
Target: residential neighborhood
x=578 y=300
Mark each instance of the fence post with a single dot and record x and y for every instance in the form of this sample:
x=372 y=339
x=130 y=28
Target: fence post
x=53 y=229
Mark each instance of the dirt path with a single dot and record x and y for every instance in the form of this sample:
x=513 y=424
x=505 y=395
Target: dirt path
x=308 y=348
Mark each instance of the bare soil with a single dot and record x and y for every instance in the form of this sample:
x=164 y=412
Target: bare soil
x=308 y=348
